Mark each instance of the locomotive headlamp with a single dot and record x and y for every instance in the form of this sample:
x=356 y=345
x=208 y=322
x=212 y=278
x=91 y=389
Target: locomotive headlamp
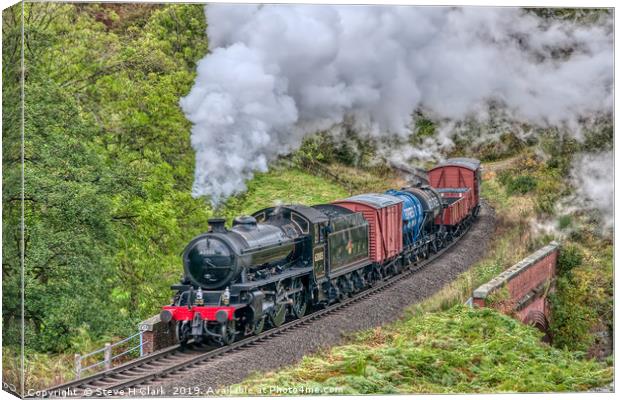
x=165 y=316
x=226 y=297
x=221 y=316
x=199 y=298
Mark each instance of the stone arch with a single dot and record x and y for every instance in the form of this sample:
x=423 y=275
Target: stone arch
x=538 y=319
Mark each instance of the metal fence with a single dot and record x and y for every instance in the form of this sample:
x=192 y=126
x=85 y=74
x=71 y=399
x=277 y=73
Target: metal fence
x=107 y=352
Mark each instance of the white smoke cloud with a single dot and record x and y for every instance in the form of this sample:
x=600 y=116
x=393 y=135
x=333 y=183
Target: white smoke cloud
x=279 y=72
x=592 y=174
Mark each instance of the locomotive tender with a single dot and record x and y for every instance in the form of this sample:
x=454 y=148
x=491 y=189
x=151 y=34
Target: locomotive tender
x=280 y=261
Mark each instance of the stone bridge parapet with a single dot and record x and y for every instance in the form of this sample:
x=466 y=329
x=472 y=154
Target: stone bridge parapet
x=522 y=289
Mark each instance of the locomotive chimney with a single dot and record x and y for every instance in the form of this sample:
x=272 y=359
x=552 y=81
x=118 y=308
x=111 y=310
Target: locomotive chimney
x=217 y=225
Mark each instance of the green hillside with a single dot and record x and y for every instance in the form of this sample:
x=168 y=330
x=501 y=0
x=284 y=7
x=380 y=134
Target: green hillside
x=460 y=350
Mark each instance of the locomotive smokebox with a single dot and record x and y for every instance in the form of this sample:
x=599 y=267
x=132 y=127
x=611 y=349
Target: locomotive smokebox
x=217 y=225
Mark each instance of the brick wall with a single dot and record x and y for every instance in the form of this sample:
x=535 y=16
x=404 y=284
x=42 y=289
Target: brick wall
x=539 y=272
x=156 y=334
x=526 y=284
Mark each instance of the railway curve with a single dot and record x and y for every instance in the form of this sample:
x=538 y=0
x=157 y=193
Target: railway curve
x=164 y=372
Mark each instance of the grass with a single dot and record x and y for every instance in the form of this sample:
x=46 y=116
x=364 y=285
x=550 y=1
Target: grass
x=41 y=370
x=460 y=350
x=365 y=180
x=283 y=186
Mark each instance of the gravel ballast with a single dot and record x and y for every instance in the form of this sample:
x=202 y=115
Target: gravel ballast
x=381 y=308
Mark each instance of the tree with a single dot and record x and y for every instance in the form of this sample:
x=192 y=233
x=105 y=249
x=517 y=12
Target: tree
x=108 y=165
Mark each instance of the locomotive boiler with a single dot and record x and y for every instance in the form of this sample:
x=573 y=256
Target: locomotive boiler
x=222 y=257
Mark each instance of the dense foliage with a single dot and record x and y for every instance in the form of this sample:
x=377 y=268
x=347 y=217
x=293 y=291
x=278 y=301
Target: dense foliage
x=11 y=176
x=108 y=165
x=461 y=350
x=582 y=304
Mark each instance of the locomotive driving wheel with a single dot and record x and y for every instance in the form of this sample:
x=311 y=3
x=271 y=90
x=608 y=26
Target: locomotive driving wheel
x=259 y=326
x=278 y=314
x=300 y=299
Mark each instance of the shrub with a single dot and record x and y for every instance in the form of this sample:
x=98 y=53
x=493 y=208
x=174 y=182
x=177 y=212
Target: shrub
x=564 y=222
x=545 y=203
x=583 y=299
x=571 y=318
x=570 y=257
x=521 y=184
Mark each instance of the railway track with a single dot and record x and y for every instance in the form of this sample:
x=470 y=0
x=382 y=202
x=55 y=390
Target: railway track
x=174 y=361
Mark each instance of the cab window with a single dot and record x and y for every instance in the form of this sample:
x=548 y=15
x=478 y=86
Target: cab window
x=300 y=222
x=260 y=217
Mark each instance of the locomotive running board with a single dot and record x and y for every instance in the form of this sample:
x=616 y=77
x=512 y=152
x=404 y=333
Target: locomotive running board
x=291 y=273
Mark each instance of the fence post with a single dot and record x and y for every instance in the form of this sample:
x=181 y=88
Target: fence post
x=77 y=362
x=107 y=356
x=141 y=343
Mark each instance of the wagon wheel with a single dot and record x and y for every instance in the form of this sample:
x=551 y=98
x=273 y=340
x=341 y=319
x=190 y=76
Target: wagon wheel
x=199 y=339
x=182 y=332
x=434 y=246
x=358 y=281
x=425 y=251
x=398 y=268
x=348 y=279
x=278 y=313
x=300 y=300
x=374 y=276
x=369 y=279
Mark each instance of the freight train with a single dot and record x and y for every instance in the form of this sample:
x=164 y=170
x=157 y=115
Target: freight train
x=281 y=261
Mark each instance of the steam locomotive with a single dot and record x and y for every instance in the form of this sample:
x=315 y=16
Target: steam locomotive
x=281 y=261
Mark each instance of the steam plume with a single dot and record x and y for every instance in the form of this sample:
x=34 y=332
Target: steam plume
x=592 y=176
x=278 y=72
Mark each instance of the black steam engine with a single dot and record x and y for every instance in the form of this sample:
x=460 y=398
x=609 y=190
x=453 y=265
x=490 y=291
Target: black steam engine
x=256 y=273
